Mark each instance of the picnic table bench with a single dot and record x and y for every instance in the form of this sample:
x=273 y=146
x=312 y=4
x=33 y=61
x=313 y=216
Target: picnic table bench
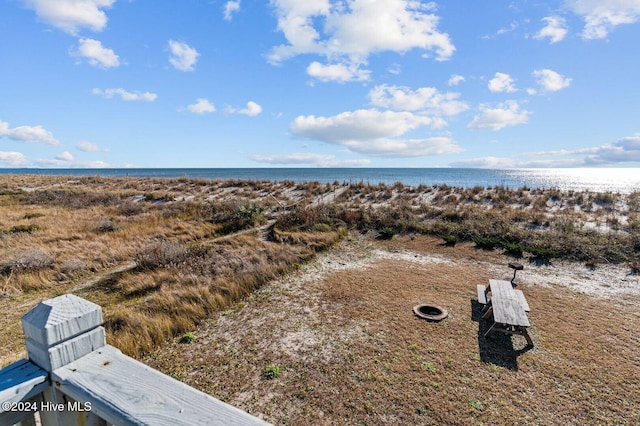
x=508 y=306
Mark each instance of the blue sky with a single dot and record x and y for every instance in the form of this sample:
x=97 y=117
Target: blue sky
x=319 y=83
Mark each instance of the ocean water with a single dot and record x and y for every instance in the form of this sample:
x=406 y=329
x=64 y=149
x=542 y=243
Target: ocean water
x=621 y=180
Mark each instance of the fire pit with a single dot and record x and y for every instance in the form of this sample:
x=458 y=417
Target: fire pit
x=430 y=312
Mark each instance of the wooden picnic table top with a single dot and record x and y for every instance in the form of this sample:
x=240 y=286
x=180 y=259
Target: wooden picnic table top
x=506 y=305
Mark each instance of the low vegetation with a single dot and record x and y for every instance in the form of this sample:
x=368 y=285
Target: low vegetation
x=200 y=246
x=351 y=351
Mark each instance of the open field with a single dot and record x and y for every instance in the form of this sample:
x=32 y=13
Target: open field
x=350 y=351
x=297 y=297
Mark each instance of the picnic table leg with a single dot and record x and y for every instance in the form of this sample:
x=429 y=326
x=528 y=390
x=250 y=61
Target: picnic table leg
x=488 y=313
x=490 y=330
x=526 y=336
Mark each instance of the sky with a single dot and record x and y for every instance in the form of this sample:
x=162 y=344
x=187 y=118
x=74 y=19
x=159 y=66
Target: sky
x=319 y=83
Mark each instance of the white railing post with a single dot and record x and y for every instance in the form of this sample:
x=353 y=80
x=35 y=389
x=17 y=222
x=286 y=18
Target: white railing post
x=72 y=378
x=59 y=331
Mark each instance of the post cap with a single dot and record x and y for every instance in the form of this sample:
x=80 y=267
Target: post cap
x=59 y=319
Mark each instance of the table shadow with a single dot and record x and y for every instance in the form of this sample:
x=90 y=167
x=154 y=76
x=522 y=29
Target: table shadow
x=497 y=349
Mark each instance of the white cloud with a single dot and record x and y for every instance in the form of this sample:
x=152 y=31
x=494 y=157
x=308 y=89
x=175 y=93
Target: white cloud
x=395 y=69
x=555 y=30
x=505 y=114
x=72 y=15
x=512 y=26
x=252 y=109
x=230 y=8
x=67 y=160
x=65 y=156
x=623 y=150
x=202 y=106
x=338 y=72
x=27 y=134
x=183 y=57
x=358 y=125
x=322 y=160
x=455 y=79
x=125 y=95
x=426 y=99
x=375 y=133
x=550 y=80
x=96 y=54
x=348 y=32
x=601 y=17
x=58 y=162
x=502 y=82
x=515 y=163
x=504 y=30
x=398 y=148
x=13 y=159
x=485 y=163
x=87 y=146
x=295 y=158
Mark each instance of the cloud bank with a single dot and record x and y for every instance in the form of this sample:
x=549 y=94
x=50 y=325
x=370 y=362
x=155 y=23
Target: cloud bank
x=373 y=132
x=347 y=33
x=622 y=151
x=320 y=160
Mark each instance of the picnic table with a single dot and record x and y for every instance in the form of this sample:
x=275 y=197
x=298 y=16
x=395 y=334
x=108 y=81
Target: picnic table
x=508 y=306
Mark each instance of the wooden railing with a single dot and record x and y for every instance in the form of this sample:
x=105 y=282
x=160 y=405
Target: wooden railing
x=72 y=377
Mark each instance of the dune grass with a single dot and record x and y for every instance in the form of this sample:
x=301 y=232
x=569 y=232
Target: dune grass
x=58 y=232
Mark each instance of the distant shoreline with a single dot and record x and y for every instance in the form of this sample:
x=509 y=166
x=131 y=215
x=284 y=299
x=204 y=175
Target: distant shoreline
x=618 y=180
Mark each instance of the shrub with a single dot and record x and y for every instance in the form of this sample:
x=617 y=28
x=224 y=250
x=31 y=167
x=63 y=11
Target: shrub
x=73 y=267
x=28 y=260
x=234 y=217
x=161 y=254
x=33 y=215
x=69 y=198
x=157 y=197
x=604 y=198
x=271 y=372
x=105 y=225
x=543 y=253
x=187 y=338
x=450 y=239
x=387 y=233
x=27 y=229
x=130 y=208
x=486 y=243
x=513 y=249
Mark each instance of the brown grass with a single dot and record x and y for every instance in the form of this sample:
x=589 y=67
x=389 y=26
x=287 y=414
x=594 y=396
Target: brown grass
x=56 y=232
x=347 y=345
x=361 y=357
